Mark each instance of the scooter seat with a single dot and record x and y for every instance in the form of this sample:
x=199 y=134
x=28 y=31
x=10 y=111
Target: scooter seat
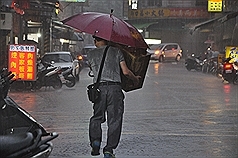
x=10 y=144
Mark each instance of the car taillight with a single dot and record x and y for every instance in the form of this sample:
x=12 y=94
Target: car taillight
x=228 y=66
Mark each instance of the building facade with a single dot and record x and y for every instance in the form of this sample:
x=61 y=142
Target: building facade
x=32 y=22
x=174 y=21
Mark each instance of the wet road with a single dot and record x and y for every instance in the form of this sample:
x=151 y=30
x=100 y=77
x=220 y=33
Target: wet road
x=177 y=113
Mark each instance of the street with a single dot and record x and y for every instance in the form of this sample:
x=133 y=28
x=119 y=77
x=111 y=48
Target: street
x=177 y=113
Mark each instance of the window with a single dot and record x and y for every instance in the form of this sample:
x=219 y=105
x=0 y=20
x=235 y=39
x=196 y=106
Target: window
x=230 y=5
x=58 y=58
x=154 y=3
x=150 y=3
x=171 y=47
x=201 y=3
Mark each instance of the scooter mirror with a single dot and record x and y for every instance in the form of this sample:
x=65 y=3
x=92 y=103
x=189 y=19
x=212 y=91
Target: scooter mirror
x=75 y=61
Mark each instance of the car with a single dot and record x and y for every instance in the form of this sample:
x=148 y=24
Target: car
x=82 y=56
x=63 y=59
x=165 y=51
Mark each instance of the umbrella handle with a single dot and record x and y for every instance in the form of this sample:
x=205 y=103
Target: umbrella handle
x=90 y=73
x=111 y=12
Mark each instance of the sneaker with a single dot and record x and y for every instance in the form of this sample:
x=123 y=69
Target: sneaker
x=95 y=148
x=107 y=154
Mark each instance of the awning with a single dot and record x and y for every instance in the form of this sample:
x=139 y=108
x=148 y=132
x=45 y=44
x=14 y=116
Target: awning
x=228 y=16
x=63 y=31
x=221 y=19
x=142 y=25
x=72 y=36
x=59 y=24
x=192 y=29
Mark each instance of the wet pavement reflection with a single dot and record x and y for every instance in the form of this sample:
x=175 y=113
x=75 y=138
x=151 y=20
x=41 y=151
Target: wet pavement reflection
x=177 y=113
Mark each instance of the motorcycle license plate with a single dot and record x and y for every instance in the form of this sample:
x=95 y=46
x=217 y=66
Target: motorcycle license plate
x=228 y=71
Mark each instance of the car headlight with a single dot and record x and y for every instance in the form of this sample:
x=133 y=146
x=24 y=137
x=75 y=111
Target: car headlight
x=157 y=52
x=80 y=57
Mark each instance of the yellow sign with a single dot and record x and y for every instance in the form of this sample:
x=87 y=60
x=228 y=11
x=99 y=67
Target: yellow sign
x=232 y=52
x=215 y=5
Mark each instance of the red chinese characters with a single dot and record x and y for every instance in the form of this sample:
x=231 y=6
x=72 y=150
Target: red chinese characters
x=22 y=61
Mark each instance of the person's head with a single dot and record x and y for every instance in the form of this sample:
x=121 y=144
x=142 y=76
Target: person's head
x=99 y=41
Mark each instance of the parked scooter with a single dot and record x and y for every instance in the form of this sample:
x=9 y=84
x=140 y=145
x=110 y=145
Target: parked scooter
x=21 y=136
x=210 y=66
x=230 y=71
x=193 y=62
x=47 y=76
x=210 y=63
x=67 y=77
x=235 y=65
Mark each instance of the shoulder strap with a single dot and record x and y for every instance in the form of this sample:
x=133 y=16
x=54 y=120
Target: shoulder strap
x=101 y=66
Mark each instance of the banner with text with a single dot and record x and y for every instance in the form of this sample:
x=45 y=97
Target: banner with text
x=168 y=13
x=22 y=61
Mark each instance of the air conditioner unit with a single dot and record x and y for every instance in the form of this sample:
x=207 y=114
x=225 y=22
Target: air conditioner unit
x=5 y=21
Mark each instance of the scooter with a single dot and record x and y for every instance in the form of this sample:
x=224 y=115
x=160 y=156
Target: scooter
x=67 y=77
x=229 y=71
x=76 y=68
x=235 y=65
x=193 y=62
x=47 y=76
x=21 y=136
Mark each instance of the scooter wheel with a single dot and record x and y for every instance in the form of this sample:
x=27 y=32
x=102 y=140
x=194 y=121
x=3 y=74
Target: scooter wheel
x=76 y=77
x=204 y=68
x=70 y=82
x=37 y=85
x=188 y=67
x=57 y=84
x=235 y=81
x=161 y=59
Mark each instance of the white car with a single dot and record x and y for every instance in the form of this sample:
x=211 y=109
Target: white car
x=63 y=59
x=165 y=51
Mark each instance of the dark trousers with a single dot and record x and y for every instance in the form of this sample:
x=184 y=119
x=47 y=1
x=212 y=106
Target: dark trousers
x=110 y=108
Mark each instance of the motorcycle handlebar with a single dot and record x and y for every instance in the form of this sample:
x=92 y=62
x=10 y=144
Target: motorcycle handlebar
x=5 y=81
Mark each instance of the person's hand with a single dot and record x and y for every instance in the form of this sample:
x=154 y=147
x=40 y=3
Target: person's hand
x=137 y=80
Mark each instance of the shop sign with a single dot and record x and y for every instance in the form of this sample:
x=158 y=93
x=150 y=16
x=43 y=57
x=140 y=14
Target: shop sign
x=214 y=5
x=168 y=13
x=232 y=52
x=22 y=62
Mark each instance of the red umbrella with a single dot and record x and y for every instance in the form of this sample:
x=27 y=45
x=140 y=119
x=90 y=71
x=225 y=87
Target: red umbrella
x=108 y=27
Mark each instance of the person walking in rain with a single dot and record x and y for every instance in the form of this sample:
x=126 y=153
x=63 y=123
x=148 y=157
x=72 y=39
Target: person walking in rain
x=110 y=107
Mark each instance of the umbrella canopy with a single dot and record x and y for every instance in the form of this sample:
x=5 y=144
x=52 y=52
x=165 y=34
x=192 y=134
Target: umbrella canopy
x=108 y=27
